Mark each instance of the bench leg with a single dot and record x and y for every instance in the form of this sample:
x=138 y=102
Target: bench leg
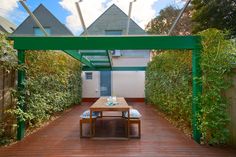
x=139 y=130
x=128 y=125
x=81 y=131
x=128 y=128
x=94 y=126
x=101 y=114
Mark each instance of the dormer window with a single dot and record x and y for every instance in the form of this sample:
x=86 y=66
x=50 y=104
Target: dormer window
x=12 y=29
x=38 y=32
x=113 y=32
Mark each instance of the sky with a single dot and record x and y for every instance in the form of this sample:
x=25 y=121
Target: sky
x=142 y=12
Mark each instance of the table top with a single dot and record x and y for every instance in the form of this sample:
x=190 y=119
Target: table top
x=100 y=104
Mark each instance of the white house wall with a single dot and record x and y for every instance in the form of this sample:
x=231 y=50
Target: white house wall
x=129 y=84
x=91 y=88
x=129 y=62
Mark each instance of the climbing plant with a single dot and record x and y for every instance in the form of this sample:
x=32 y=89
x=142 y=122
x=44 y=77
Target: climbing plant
x=8 y=63
x=169 y=86
x=218 y=59
x=53 y=83
x=8 y=55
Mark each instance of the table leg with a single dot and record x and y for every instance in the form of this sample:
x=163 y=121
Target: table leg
x=128 y=125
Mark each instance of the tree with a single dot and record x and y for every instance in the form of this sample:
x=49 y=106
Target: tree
x=163 y=22
x=220 y=14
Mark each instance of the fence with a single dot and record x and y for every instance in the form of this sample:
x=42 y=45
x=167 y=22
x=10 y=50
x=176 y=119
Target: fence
x=7 y=83
x=231 y=94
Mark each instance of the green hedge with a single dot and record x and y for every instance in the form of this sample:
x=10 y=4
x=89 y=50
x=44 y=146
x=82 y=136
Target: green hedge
x=53 y=83
x=169 y=86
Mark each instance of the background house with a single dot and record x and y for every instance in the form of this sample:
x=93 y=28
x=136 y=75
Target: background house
x=6 y=26
x=50 y=23
x=113 y=21
x=129 y=84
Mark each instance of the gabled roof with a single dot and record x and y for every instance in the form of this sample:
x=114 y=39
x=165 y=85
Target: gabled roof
x=113 y=19
x=6 y=26
x=47 y=19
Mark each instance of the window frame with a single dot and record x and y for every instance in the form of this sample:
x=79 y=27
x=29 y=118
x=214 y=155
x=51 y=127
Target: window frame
x=88 y=75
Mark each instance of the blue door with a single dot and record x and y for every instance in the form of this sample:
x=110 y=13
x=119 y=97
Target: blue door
x=105 y=76
x=105 y=83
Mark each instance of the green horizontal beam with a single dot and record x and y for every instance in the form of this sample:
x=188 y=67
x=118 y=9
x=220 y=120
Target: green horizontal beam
x=106 y=43
x=102 y=66
x=99 y=61
x=115 y=69
x=79 y=57
x=93 y=53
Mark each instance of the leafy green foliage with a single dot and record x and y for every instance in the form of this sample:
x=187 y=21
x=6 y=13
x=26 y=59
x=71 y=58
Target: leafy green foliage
x=214 y=14
x=163 y=22
x=169 y=86
x=8 y=55
x=53 y=83
x=218 y=59
x=8 y=62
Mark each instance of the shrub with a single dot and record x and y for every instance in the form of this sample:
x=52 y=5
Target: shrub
x=169 y=86
x=53 y=83
x=218 y=59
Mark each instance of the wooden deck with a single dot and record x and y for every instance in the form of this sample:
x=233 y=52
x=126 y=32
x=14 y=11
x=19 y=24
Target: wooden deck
x=159 y=138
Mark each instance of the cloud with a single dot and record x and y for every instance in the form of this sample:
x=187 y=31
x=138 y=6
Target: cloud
x=142 y=11
x=7 y=6
x=90 y=10
x=10 y=10
x=180 y=2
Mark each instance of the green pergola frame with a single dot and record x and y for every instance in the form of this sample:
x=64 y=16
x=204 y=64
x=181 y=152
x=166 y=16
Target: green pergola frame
x=71 y=45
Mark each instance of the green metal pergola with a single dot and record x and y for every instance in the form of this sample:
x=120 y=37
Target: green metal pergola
x=94 y=53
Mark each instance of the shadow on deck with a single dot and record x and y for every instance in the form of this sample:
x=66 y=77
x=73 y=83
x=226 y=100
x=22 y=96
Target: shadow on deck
x=158 y=138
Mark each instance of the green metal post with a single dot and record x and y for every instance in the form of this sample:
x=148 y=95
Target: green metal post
x=21 y=88
x=197 y=91
x=109 y=58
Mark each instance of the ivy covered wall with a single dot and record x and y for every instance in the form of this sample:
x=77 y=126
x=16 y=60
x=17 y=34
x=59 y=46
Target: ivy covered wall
x=53 y=84
x=169 y=86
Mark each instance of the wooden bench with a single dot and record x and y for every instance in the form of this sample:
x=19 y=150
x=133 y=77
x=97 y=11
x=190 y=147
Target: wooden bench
x=85 y=118
x=84 y=121
x=133 y=119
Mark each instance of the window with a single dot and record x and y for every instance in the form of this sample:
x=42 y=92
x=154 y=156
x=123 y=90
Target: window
x=38 y=32
x=113 y=32
x=88 y=75
x=12 y=29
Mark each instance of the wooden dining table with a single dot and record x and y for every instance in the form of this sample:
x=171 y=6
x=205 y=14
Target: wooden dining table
x=101 y=105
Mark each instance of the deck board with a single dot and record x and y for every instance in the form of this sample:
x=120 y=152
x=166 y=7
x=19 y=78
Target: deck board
x=159 y=138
